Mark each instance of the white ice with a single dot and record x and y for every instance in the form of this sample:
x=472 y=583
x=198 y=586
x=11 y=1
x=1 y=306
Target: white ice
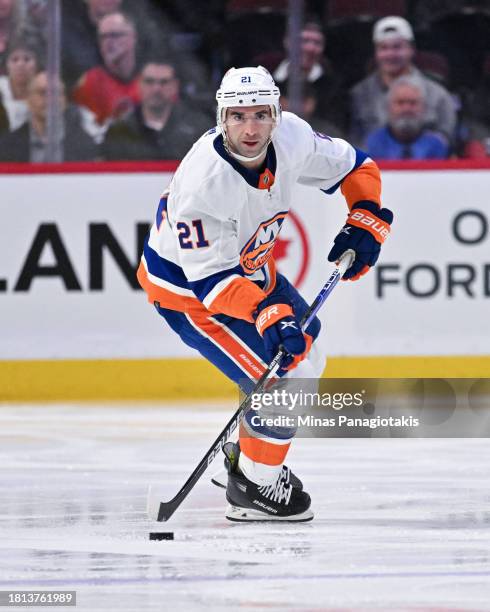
x=399 y=524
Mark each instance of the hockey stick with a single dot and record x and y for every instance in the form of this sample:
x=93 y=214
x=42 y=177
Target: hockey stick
x=162 y=511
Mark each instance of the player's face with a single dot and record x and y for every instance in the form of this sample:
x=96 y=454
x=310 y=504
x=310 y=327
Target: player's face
x=248 y=129
x=394 y=56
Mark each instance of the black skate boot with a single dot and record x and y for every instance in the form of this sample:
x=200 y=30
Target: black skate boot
x=232 y=452
x=280 y=501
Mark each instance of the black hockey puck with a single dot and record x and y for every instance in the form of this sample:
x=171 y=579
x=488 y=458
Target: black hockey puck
x=163 y=535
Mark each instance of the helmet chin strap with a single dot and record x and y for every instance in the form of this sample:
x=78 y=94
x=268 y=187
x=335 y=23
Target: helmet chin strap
x=243 y=158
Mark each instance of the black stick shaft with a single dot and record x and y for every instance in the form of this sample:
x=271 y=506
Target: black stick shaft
x=166 y=509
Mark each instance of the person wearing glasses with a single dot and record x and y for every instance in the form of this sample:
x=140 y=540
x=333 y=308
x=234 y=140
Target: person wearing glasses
x=112 y=88
x=29 y=142
x=162 y=126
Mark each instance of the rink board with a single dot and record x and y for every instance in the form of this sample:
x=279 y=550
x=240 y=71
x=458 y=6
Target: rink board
x=70 y=243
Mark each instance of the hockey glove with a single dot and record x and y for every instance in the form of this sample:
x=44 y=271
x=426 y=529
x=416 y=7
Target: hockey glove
x=366 y=229
x=276 y=323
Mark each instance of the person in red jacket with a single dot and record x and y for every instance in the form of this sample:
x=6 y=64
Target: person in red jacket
x=112 y=89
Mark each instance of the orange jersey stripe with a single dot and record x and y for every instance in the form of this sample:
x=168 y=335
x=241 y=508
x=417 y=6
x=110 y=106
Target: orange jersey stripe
x=262 y=451
x=165 y=297
x=362 y=184
x=239 y=299
x=200 y=317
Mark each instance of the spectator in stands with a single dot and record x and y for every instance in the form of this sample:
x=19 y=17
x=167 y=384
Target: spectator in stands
x=10 y=25
x=394 y=51
x=309 y=110
x=79 y=31
x=162 y=126
x=22 y=64
x=79 y=36
x=29 y=142
x=405 y=137
x=111 y=89
x=318 y=73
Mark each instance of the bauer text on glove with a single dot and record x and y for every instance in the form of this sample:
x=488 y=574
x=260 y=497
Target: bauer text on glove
x=278 y=326
x=366 y=228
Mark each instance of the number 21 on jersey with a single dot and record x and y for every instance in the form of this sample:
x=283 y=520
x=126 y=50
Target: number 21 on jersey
x=185 y=232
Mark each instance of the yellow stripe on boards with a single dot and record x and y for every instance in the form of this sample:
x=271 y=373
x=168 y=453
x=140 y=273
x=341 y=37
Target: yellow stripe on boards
x=409 y=367
x=193 y=379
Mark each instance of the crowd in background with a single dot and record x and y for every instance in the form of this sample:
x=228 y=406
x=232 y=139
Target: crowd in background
x=399 y=79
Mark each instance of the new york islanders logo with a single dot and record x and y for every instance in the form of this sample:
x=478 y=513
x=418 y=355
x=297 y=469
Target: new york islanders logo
x=259 y=248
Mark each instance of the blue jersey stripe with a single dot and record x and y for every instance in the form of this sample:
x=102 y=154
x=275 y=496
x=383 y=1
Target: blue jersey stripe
x=203 y=286
x=164 y=269
x=172 y=273
x=161 y=212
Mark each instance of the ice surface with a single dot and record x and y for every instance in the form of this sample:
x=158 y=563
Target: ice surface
x=401 y=524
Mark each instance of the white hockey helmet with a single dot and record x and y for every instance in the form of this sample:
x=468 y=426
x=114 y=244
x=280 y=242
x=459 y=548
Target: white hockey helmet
x=252 y=86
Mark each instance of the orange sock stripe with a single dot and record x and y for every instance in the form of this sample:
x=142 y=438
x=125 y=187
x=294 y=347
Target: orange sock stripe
x=362 y=184
x=262 y=451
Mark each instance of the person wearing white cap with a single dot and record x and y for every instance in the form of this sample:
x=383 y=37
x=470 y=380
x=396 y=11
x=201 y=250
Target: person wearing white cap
x=394 y=47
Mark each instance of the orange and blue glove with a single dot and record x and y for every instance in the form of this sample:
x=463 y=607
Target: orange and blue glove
x=277 y=324
x=365 y=230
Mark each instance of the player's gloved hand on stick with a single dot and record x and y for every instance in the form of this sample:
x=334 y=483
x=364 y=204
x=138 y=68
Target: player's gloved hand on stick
x=366 y=228
x=277 y=324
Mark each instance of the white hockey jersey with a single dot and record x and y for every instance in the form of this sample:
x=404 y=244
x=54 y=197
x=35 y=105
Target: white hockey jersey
x=211 y=244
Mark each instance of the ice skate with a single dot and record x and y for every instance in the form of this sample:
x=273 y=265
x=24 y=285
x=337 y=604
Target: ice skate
x=279 y=501
x=276 y=502
x=232 y=452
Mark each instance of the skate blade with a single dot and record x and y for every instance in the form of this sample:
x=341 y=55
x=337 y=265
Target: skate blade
x=247 y=515
x=220 y=479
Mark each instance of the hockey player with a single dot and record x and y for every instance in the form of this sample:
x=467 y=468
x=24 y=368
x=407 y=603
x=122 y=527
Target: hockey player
x=208 y=268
